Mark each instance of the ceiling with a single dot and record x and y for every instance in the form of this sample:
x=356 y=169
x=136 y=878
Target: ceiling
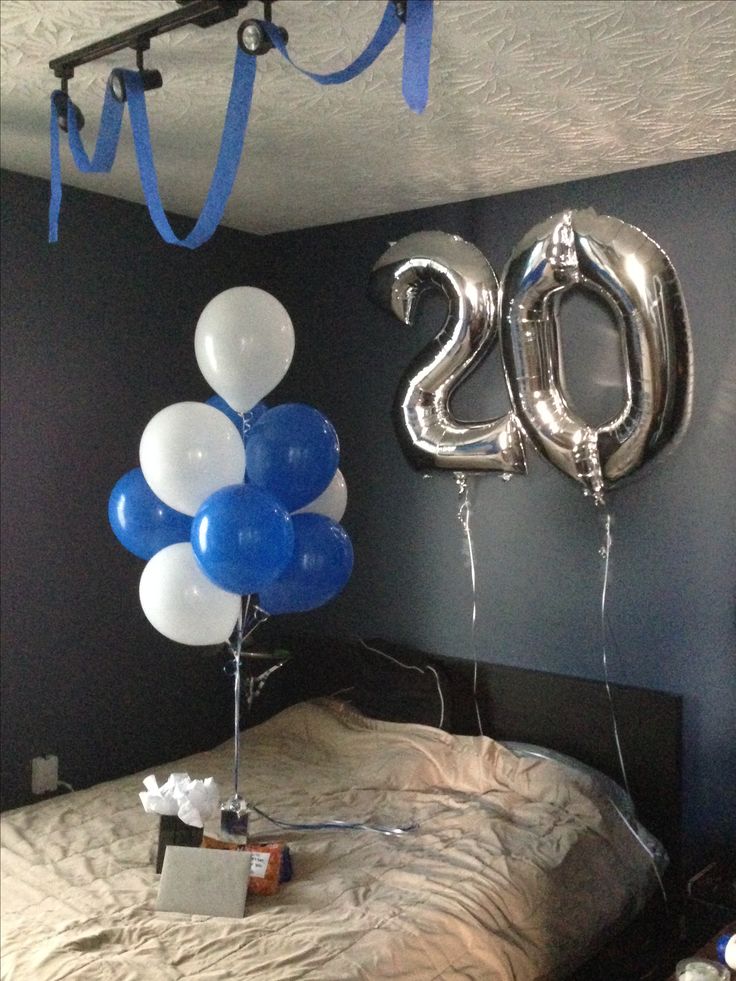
x=523 y=93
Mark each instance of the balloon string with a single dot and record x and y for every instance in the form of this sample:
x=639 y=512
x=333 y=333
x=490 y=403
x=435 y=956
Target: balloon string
x=605 y=552
x=463 y=514
x=335 y=825
x=248 y=621
x=412 y=667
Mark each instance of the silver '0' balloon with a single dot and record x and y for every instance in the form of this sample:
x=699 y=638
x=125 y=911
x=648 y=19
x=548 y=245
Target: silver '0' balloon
x=630 y=271
x=430 y=434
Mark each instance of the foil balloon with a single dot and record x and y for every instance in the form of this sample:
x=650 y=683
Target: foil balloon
x=429 y=432
x=631 y=272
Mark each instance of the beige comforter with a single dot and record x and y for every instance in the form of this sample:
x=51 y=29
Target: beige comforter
x=514 y=872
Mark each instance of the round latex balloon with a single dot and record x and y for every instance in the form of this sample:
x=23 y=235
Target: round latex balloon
x=242 y=538
x=332 y=501
x=188 y=451
x=180 y=601
x=244 y=343
x=243 y=422
x=141 y=522
x=320 y=567
x=293 y=453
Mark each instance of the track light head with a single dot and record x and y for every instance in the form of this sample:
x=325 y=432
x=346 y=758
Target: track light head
x=150 y=77
x=62 y=102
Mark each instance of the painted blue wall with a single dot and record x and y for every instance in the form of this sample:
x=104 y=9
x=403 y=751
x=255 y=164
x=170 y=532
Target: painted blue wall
x=536 y=538
x=97 y=337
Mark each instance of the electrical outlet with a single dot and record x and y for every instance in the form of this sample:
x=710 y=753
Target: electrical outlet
x=44 y=774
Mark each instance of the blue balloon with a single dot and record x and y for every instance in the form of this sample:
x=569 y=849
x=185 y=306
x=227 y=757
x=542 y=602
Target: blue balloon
x=141 y=522
x=242 y=538
x=320 y=567
x=293 y=453
x=243 y=423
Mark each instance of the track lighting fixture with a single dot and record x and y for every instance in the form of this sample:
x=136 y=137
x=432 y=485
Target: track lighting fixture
x=254 y=38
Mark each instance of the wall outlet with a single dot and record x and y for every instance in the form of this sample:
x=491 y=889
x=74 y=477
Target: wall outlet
x=44 y=774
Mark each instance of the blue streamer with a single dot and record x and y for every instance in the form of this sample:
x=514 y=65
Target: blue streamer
x=390 y=23
x=226 y=168
x=228 y=159
x=415 y=86
x=334 y=825
x=417 y=47
x=105 y=149
x=107 y=138
x=55 y=197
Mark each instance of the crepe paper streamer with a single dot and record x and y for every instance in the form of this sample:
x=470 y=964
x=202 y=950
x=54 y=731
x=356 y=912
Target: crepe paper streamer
x=417 y=49
x=228 y=160
x=417 y=46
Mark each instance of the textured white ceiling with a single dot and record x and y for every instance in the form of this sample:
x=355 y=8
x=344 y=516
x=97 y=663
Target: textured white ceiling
x=522 y=93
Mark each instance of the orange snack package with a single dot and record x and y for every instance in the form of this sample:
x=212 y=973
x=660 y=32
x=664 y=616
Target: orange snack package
x=265 y=866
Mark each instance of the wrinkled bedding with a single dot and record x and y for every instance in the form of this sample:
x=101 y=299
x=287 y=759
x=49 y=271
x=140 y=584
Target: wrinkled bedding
x=517 y=869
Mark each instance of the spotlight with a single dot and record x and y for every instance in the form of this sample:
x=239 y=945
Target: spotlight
x=253 y=39
x=150 y=77
x=61 y=101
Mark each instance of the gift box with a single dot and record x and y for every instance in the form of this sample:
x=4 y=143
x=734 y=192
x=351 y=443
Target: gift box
x=183 y=805
x=173 y=831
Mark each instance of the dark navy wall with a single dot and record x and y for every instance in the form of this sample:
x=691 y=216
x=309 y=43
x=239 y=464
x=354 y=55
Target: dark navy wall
x=536 y=538
x=97 y=336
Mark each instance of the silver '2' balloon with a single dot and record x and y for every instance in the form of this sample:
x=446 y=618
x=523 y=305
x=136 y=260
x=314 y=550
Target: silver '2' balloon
x=630 y=271
x=430 y=434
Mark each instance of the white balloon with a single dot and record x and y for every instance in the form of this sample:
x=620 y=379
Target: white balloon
x=188 y=451
x=332 y=501
x=182 y=603
x=244 y=343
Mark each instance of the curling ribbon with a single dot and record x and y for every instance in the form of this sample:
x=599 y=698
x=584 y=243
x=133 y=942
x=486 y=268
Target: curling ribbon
x=415 y=85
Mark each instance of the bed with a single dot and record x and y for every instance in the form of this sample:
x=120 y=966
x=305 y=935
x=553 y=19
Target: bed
x=524 y=863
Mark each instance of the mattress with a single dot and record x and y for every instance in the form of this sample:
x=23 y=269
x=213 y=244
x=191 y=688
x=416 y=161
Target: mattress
x=518 y=867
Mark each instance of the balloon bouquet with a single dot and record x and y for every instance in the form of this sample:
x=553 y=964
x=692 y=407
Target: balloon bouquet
x=235 y=506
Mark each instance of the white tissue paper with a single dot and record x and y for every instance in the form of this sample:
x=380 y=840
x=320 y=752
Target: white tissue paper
x=192 y=801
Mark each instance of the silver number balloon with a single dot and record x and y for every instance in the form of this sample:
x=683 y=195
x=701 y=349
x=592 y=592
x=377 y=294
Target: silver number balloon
x=430 y=434
x=630 y=271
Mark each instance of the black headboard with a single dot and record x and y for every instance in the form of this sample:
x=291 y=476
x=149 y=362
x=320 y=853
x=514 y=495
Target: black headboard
x=567 y=714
